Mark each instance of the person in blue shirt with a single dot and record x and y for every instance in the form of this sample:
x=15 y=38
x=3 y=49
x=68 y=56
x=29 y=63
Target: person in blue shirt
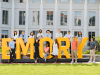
x=23 y=36
x=92 y=46
x=48 y=34
x=12 y=50
x=69 y=36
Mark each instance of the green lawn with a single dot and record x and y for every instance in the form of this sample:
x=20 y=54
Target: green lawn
x=49 y=69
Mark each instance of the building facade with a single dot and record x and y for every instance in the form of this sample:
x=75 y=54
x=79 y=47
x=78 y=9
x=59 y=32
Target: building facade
x=32 y=15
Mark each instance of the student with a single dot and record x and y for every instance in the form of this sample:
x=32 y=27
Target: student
x=69 y=36
x=23 y=36
x=31 y=35
x=48 y=34
x=92 y=45
x=12 y=50
x=55 y=49
x=36 y=50
x=59 y=34
x=46 y=51
x=74 y=50
x=79 y=37
x=40 y=35
x=15 y=34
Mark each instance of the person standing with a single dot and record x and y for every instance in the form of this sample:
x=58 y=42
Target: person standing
x=46 y=51
x=12 y=50
x=15 y=34
x=23 y=36
x=55 y=49
x=79 y=37
x=40 y=35
x=69 y=36
x=59 y=34
x=36 y=50
x=92 y=45
x=31 y=35
x=74 y=49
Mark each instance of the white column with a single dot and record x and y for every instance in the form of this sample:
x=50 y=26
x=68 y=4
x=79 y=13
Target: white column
x=85 y=19
x=26 y=19
x=99 y=19
x=55 y=18
x=0 y=18
x=12 y=17
x=70 y=16
x=41 y=15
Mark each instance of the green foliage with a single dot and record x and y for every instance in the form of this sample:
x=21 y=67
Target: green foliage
x=88 y=52
x=97 y=39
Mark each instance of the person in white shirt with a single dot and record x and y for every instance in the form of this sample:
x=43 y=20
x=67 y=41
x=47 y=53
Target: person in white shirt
x=69 y=36
x=15 y=34
x=31 y=35
x=59 y=34
x=40 y=35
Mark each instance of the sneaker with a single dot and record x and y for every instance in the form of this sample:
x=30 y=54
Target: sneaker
x=90 y=62
x=93 y=61
x=72 y=62
x=76 y=62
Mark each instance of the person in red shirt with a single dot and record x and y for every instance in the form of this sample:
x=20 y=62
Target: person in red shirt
x=74 y=49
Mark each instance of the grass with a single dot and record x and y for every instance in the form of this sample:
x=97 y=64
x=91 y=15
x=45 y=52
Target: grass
x=49 y=69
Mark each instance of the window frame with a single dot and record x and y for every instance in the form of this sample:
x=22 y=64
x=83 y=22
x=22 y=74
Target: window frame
x=92 y=2
x=50 y=1
x=65 y=1
x=78 y=2
x=49 y=18
x=5 y=1
x=92 y=16
x=22 y=17
x=5 y=34
x=64 y=18
x=5 y=17
x=38 y=19
x=75 y=16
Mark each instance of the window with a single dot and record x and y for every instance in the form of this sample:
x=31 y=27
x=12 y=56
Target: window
x=21 y=17
x=4 y=34
x=77 y=19
x=63 y=1
x=5 y=17
x=36 y=15
x=63 y=19
x=22 y=1
x=51 y=34
x=78 y=1
x=36 y=1
x=75 y=33
x=91 y=35
x=5 y=0
x=92 y=1
x=92 y=18
x=35 y=33
x=49 y=17
x=63 y=33
x=50 y=1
